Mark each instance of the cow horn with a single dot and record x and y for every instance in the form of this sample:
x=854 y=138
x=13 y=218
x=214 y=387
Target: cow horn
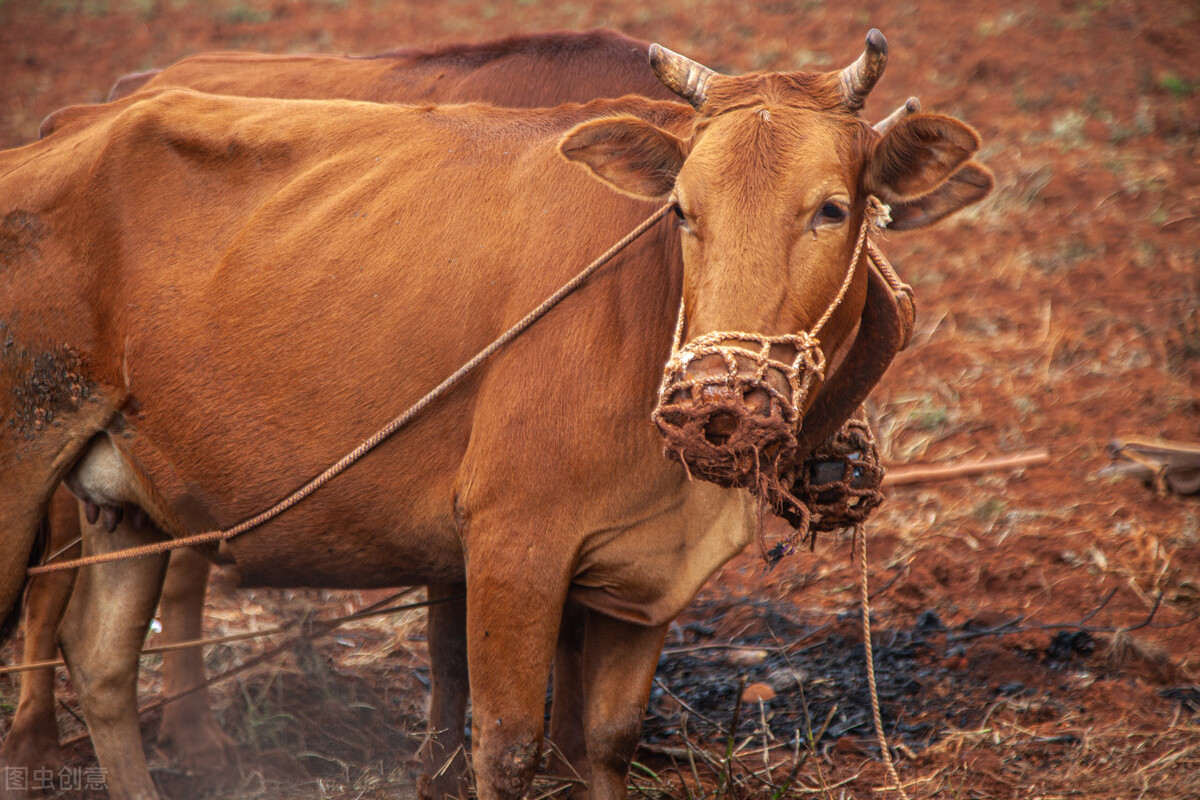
x=859 y=78
x=681 y=75
x=911 y=106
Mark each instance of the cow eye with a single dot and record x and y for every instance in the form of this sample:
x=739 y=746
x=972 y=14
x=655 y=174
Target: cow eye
x=831 y=213
x=681 y=218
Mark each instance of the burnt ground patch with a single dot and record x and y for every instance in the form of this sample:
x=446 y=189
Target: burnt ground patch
x=930 y=679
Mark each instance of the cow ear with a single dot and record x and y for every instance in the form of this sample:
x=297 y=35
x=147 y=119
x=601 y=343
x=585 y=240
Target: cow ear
x=970 y=184
x=627 y=153
x=917 y=155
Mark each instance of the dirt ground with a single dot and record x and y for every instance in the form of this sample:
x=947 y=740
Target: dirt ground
x=1035 y=630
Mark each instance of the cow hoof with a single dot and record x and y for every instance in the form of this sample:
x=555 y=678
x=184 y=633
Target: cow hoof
x=199 y=747
x=437 y=779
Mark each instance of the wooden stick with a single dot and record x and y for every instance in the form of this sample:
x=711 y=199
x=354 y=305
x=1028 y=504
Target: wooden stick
x=918 y=473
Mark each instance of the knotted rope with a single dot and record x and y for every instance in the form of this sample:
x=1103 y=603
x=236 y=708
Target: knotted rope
x=837 y=486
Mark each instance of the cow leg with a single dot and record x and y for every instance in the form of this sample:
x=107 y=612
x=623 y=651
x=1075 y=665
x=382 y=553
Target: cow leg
x=569 y=758
x=32 y=740
x=447 y=698
x=189 y=729
x=515 y=596
x=619 y=663
x=101 y=638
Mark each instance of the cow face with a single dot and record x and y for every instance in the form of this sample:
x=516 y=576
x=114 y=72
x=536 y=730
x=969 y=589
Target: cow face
x=773 y=194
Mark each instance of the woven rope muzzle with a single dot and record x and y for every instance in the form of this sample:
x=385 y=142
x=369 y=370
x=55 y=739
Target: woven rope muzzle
x=738 y=426
x=836 y=486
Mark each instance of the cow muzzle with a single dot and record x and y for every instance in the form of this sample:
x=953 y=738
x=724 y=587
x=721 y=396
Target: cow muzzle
x=730 y=404
x=836 y=486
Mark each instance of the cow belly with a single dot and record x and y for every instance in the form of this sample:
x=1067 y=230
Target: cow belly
x=341 y=559
x=318 y=543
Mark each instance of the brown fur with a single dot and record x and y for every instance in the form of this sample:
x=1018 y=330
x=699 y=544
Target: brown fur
x=334 y=185
x=552 y=67
x=36 y=554
x=816 y=91
x=544 y=69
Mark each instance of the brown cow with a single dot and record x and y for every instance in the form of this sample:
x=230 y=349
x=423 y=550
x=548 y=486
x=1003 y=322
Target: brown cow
x=144 y=370
x=541 y=69
x=569 y=66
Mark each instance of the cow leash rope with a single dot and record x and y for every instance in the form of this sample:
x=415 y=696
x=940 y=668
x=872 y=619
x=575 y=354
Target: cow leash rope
x=349 y=459
x=310 y=626
x=860 y=547
x=368 y=445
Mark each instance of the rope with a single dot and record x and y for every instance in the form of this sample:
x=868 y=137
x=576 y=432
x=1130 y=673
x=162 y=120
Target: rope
x=901 y=291
x=860 y=545
x=368 y=445
x=886 y=270
x=875 y=215
x=316 y=628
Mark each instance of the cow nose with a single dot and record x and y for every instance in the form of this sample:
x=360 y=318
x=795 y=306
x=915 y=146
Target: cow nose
x=723 y=423
x=720 y=427
x=722 y=412
x=729 y=405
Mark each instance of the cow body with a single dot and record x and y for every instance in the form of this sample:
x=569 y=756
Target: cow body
x=322 y=264
x=540 y=69
x=490 y=477
x=295 y=341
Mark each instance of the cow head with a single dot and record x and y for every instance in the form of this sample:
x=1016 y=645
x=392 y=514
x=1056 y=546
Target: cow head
x=773 y=193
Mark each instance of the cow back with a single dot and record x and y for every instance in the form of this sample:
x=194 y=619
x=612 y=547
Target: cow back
x=543 y=69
